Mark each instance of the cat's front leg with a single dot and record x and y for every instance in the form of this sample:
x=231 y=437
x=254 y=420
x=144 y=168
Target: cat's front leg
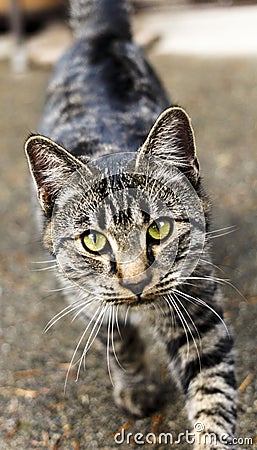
x=205 y=372
x=132 y=388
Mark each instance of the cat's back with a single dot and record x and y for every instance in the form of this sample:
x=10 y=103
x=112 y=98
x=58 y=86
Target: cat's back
x=103 y=95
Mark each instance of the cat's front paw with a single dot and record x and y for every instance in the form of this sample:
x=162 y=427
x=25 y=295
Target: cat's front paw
x=138 y=400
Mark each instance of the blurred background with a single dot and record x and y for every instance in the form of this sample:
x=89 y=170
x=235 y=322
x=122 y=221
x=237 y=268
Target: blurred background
x=36 y=31
x=206 y=56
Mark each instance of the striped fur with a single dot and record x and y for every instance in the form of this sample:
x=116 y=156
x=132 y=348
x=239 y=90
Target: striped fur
x=104 y=101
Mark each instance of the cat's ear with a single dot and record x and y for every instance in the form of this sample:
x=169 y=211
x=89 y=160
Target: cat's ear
x=50 y=166
x=172 y=140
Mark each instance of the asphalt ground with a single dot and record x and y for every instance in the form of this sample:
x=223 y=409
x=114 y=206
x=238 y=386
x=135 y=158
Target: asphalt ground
x=220 y=96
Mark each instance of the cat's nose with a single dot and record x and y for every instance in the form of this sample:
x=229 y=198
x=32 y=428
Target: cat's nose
x=134 y=286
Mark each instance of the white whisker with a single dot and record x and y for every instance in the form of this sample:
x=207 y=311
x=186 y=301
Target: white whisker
x=221 y=232
x=61 y=289
x=47 y=261
x=211 y=264
x=83 y=307
x=195 y=300
x=181 y=318
x=190 y=318
x=108 y=346
x=42 y=269
x=117 y=320
x=78 y=345
x=126 y=315
x=91 y=338
x=64 y=312
x=221 y=281
x=172 y=314
x=113 y=346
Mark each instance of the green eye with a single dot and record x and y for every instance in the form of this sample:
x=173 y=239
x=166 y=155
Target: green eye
x=160 y=229
x=93 y=241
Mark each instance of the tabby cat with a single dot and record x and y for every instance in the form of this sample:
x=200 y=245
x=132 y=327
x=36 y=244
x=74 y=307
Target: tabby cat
x=126 y=218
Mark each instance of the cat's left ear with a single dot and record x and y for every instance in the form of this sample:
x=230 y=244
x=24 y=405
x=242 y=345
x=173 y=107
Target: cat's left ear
x=172 y=140
x=51 y=167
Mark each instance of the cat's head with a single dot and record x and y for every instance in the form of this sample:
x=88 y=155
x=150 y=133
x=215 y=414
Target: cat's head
x=126 y=227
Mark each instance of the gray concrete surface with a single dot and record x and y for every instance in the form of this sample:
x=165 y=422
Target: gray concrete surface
x=35 y=413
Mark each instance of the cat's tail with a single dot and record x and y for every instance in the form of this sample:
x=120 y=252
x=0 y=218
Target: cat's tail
x=93 y=18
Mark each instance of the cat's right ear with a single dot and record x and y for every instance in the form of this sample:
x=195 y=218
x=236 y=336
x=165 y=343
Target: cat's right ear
x=171 y=140
x=50 y=166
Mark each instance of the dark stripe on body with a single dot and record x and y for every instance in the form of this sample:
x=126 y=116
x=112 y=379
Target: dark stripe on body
x=174 y=345
x=208 y=360
x=213 y=391
x=220 y=410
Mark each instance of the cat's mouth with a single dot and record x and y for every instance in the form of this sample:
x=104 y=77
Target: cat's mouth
x=133 y=300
